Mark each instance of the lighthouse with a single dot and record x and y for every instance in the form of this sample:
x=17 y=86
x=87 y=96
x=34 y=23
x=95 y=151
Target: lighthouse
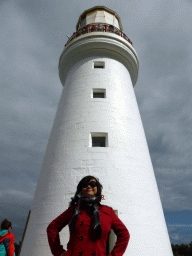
x=98 y=131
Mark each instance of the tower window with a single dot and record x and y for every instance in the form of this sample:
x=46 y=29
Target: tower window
x=83 y=21
x=99 y=93
x=98 y=142
x=99 y=139
x=99 y=64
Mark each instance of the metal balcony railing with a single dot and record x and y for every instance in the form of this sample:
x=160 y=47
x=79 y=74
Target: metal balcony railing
x=98 y=28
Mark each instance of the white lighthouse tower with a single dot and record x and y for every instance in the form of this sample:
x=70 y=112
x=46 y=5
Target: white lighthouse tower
x=98 y=131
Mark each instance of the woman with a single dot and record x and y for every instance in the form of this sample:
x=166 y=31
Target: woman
x=6 y=239
x=89 y=224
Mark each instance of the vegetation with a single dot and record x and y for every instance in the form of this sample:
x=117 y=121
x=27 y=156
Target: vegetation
x=182 y=249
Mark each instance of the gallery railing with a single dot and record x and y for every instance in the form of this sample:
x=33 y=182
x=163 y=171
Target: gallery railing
x=98 y=28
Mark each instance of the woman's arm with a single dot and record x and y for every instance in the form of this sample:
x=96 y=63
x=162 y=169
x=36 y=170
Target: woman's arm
x=11 y=244
x=123 y=236
x=53 y=231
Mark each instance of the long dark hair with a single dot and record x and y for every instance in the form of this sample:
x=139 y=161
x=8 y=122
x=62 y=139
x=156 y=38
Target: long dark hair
x=93 y=210
x=80 y=185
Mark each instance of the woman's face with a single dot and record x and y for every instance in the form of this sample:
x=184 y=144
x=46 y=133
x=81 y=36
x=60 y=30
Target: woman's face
x=89 y=190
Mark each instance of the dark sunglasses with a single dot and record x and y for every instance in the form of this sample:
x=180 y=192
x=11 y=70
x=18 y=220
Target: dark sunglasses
x=92 y=184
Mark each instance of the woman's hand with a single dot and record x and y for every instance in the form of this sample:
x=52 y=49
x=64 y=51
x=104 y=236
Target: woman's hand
x=63 y=254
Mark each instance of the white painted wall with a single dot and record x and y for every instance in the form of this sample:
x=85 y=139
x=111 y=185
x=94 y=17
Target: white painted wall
x=124 y=167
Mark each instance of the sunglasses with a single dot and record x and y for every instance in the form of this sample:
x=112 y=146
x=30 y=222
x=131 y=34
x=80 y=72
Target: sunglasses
x=92 y=184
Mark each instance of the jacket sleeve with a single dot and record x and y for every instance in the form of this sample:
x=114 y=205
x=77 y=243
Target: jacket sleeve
x=11 y=245
x=123 y=236
x=54 y=228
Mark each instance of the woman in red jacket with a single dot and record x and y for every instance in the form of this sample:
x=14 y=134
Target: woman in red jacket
x=89 y=224
x=6 y=239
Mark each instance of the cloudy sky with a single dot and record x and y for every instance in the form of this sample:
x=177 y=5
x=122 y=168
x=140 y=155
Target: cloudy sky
x=32 y=37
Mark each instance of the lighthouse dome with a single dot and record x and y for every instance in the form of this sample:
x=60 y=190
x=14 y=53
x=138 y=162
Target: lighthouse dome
x=99 y=14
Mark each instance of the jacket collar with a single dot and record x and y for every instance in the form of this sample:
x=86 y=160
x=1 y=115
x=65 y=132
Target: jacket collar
x=4 y=236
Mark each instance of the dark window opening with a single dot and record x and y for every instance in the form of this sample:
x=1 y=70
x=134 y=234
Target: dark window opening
x=99 y=64
x=83 y=21
x=98 y=141
x=98 y=95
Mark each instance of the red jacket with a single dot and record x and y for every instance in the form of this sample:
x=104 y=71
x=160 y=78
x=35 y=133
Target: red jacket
x=80 y=243
x=9 y=239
